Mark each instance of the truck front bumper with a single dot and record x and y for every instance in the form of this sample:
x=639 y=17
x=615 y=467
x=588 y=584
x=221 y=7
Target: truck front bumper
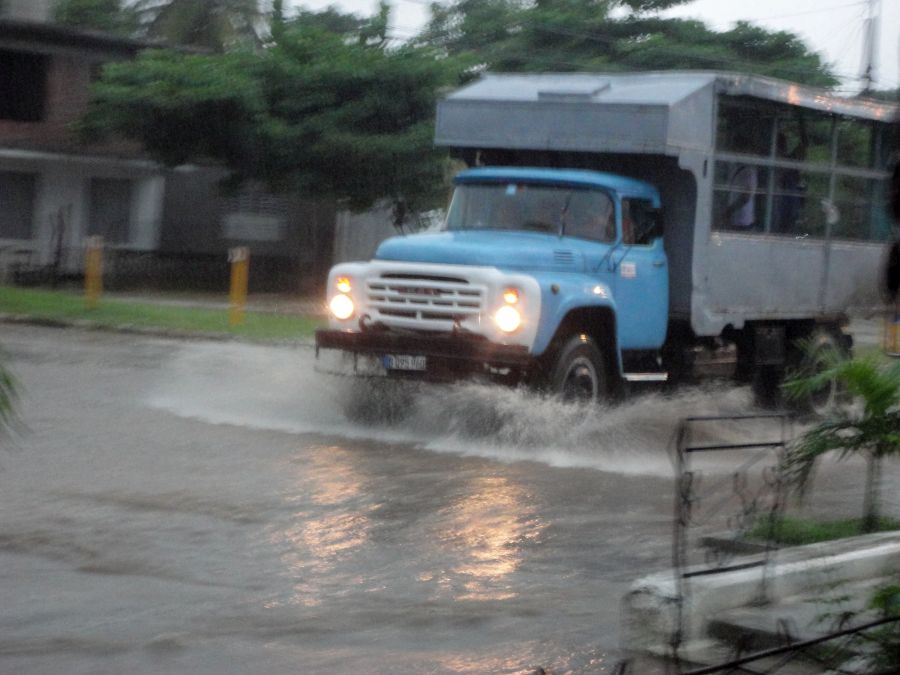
x=446 y=357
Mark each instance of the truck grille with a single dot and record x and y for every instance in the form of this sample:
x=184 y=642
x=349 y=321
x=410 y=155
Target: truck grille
x=429 y=302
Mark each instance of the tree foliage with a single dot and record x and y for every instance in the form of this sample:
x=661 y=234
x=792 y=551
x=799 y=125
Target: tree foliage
x=109 y=16
x=871 y=429
x=315 y=112
x=213 y=24
x=595 y=35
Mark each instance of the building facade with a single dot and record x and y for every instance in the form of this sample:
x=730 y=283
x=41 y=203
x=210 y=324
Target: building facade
x=159 y=226
x=55 y=190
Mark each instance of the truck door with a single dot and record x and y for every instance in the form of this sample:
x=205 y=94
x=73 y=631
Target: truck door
x=640 y=277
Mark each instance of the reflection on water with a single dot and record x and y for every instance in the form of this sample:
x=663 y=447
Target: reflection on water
x=485 y=534
x=331 y=525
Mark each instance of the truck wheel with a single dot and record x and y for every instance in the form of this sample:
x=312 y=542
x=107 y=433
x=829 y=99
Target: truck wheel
x=579 y=373
x=823 y=401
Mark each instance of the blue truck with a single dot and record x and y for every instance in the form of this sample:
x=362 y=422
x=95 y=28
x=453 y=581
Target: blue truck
x=642 y=227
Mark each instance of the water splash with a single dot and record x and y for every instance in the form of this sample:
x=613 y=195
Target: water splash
x=278 y=389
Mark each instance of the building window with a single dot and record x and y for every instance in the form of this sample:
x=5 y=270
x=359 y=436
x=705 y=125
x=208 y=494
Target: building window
x=23 y=85
x=17 y=191
x=110 y=209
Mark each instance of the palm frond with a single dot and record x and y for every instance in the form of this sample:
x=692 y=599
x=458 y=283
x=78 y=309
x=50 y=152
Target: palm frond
x=872 y=430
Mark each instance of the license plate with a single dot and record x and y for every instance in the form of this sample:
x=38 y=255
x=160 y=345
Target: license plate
x=403 y=362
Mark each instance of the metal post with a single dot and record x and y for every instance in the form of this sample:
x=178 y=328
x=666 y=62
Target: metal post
x=93 y=271
x=239 y=257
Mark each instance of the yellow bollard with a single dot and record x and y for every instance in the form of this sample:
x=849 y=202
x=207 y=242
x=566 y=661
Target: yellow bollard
x=93 y=271
x=239 y=257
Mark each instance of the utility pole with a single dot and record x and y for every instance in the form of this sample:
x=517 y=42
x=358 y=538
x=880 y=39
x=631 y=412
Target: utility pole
x=870 y=45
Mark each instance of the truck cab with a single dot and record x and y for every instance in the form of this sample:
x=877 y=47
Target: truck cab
x=545 y=276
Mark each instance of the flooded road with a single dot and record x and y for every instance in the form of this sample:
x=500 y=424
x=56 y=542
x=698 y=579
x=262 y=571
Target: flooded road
x=199 y=507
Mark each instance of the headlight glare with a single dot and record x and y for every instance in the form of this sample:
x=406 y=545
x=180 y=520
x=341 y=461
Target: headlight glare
x=510 y=296
x=341 y=307
x=508 y=319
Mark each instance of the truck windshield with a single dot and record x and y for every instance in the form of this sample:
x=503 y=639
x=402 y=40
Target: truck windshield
x=556 y=209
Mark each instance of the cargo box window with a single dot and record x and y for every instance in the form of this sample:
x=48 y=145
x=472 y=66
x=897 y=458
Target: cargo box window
x=740 y=196
x=744 y=128
x=860 y=209
x=23 y=84
x=800 y=202
x=855 y=143
x=804 y=136
x=17 y=191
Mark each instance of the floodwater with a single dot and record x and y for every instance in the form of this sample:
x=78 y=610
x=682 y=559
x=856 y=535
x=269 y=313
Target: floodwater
x=199 y=507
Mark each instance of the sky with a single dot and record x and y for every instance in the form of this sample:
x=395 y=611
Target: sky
x=834 y=28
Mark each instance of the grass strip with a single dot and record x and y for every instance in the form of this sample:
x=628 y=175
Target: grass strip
x=799 y=531
x=66 y=307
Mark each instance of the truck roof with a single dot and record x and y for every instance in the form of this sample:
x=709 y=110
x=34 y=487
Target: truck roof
x=640 y=112
x=612 y=181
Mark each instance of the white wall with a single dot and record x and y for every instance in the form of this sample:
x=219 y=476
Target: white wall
x=63 y=189
x=146 y=212
x=60 y=191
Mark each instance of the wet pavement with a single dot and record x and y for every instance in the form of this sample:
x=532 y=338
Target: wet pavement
x=204 y=507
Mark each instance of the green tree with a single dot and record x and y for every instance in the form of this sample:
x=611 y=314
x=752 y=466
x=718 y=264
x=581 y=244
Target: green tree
x=870 y=429
x=315 y=112
x=110 y=16
x=212 y=24
x=610 y=35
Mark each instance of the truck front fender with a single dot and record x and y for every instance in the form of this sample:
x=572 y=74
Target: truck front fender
x=560 y=299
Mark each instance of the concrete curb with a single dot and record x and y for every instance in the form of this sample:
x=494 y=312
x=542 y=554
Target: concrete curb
x=149 y=331
x=649 y=609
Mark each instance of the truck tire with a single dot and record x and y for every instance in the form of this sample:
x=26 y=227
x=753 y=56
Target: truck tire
x=822 y=402
x=767 y=380
x=579 y=372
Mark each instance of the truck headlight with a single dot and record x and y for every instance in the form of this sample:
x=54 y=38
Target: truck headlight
x=508 y=318
x=341 y=306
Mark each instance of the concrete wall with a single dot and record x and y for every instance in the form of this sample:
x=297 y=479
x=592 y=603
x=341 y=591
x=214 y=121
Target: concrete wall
x=357 y=235
x=291 y=235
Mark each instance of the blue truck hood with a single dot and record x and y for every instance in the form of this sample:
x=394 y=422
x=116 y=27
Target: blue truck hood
x=490 y=248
